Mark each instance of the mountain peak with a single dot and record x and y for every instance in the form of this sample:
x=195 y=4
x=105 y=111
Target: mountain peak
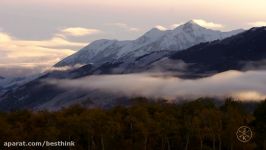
x=182 y=37
x=155 y=29
x=192 y=24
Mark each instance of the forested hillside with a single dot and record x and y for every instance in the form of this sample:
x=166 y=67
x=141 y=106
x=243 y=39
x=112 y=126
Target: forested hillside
x=145 y=125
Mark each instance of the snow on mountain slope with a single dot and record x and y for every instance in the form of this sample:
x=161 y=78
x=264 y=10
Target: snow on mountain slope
x=182 y=37
x=7 y=84
x=247 y=49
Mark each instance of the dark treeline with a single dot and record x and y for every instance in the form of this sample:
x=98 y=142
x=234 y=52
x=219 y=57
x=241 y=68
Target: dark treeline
x=146 y=125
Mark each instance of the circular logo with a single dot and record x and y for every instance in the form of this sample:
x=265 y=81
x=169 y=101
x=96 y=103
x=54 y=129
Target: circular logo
x=244 y=134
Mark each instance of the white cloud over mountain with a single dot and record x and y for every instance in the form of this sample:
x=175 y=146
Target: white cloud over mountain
x=257 y=23
x=240 y=85
x=32 y=55
x=201 y=22
x=208 y=24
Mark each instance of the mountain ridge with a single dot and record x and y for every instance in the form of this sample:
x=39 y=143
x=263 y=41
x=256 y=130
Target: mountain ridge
x=242 y=48
x=231 y=53
x=182 y=37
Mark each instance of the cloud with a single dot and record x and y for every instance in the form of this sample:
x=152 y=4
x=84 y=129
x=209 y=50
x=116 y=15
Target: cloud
x=26 y=55
x=79 y=31
x=175 y=25
x=162 y=28
x=124 y=26
x=201 y=22
x=4 y=38
x=207 y=24
x=241 y=85
x=28 y=68
x=257 y=23
x=65 y=68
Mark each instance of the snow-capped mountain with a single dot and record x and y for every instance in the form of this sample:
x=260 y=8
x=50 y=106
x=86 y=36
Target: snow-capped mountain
x=244 y=51
x=182 y=37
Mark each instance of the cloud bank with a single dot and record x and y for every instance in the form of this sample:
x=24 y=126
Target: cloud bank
x=257 y=24
x=79 y=31
x=241 y=85
x=124 y=26
x=207 y=24
x=26 y=57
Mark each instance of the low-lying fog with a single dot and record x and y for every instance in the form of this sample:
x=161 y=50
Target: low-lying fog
x=250 y=85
